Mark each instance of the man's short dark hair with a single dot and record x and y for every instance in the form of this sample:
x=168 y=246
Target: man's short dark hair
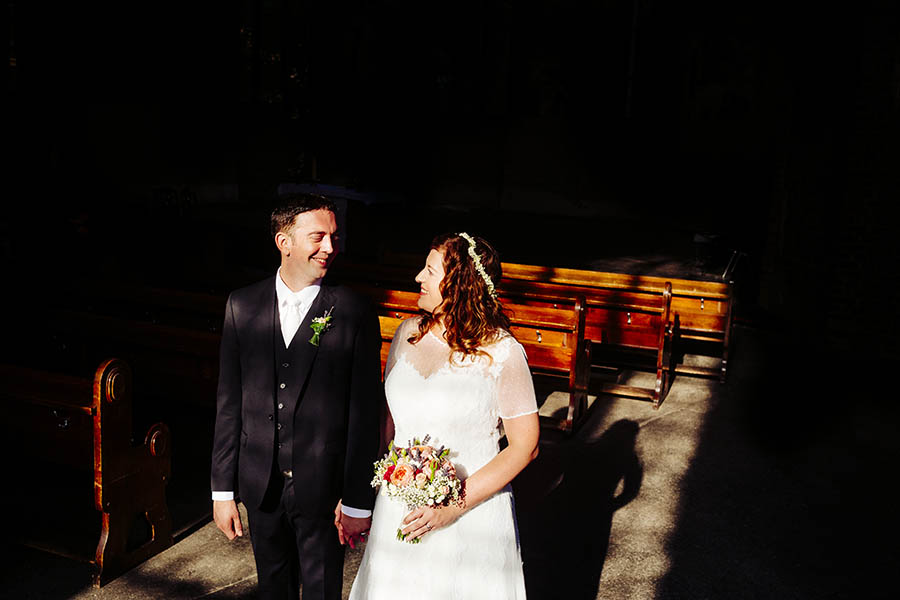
x=294 y=204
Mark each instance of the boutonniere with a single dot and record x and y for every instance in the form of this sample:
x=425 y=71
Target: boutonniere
x=319 y=325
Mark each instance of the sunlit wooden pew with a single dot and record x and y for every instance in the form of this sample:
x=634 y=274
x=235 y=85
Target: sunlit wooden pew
x=701 y=311
x=82 y=487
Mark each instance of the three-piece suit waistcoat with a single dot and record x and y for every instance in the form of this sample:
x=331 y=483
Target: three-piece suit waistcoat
x=288 y=386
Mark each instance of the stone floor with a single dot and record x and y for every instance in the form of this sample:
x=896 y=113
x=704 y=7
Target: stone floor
x=769 y=486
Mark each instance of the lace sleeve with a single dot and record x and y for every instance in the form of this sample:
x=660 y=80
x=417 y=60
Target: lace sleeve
x=404 y=330
x=515 y=386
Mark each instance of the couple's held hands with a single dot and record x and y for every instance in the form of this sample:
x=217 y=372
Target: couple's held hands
x=351 y=530
x=227 y=518
x=426 y=518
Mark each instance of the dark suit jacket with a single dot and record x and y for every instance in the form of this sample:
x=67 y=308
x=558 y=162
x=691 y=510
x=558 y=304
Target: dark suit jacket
x=335 y=425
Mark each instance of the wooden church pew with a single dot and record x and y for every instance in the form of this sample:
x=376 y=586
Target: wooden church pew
x=59 y=430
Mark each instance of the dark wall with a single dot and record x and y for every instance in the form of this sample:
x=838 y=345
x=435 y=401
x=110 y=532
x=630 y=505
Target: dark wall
x=772 y=126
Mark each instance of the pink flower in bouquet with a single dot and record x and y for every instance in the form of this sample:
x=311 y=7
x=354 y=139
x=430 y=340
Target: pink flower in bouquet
x=445 y=489
x=449 y=469
x=421 y=480
x=425 y=452
x=402 y=475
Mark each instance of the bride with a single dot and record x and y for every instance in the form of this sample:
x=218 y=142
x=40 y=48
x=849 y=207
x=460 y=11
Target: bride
x=455 y=373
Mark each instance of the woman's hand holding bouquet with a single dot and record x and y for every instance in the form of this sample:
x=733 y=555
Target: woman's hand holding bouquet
x=424 y=478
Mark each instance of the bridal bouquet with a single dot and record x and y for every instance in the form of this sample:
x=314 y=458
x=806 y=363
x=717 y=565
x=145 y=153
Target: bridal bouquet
x=418 y=475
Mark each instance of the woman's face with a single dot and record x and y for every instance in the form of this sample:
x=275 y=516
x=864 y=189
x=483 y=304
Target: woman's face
x=429 y=280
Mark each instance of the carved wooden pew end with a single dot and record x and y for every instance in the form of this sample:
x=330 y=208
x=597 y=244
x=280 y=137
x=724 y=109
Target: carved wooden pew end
x=79 y=430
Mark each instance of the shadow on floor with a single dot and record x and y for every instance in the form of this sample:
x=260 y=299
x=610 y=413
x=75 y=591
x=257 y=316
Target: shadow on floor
x=565 y=501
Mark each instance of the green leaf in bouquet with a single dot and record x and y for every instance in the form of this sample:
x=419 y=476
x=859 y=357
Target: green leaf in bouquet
x=402 y=537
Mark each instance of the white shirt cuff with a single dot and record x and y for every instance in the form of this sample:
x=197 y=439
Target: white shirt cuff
x=356 y=513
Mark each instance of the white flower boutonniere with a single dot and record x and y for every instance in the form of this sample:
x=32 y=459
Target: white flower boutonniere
x=319 y=326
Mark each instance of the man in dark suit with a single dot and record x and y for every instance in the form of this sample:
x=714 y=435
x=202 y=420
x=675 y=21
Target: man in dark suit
x=297 y=411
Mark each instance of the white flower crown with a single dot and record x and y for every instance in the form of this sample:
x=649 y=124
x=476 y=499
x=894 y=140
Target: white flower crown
x=478 y=266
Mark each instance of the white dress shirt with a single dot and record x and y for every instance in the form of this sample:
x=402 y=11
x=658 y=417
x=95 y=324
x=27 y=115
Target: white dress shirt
x=299 y=301
x=289 y=301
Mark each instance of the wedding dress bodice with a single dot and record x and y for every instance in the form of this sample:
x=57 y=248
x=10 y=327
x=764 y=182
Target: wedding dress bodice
x=458 y=401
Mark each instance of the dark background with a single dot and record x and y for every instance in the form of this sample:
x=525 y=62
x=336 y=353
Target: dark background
x=147 y=141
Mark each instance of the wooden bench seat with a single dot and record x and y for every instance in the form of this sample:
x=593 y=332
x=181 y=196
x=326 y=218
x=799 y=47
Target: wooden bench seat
x=702 y=310
x=555 y=344
x=64 y=428
x=638 y=322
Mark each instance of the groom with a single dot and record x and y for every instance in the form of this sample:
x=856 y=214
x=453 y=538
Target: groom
x=297 y=411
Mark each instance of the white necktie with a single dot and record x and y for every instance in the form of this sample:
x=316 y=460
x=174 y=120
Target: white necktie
x=290 y=320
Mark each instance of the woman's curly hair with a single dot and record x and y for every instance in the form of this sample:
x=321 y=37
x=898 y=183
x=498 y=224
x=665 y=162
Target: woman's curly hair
x=471 y=315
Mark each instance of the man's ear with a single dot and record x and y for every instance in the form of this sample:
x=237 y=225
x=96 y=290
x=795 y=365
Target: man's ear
x=283 y=243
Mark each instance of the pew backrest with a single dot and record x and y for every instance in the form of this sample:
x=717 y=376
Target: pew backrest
x=701 y=311
x=703 y=307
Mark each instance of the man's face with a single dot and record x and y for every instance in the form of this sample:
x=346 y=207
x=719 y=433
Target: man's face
x=429 y=279
x=312 y=244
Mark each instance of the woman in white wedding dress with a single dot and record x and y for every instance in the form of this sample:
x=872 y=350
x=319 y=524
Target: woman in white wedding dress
x=455 y=373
